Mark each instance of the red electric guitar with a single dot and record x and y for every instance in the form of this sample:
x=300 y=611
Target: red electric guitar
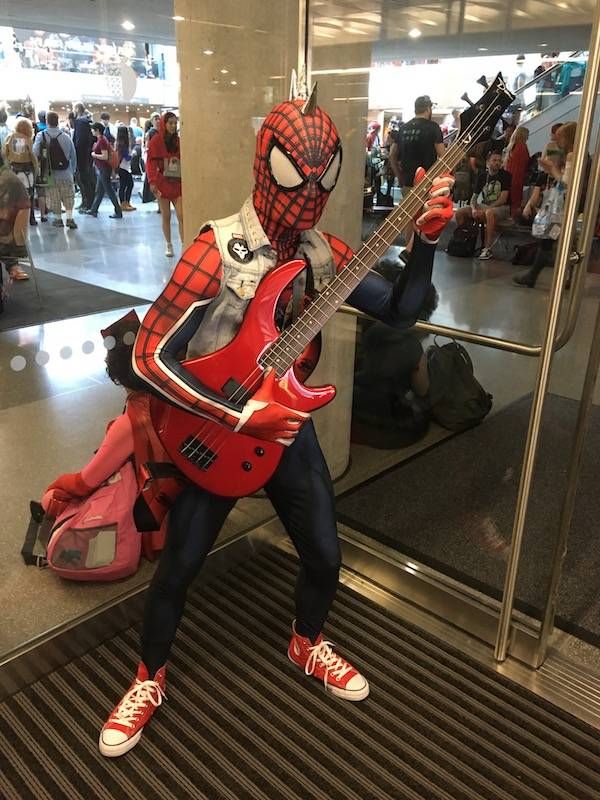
x=235 y=464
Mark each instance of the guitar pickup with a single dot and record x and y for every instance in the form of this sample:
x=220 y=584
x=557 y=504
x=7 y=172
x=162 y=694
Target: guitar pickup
x=197 y=452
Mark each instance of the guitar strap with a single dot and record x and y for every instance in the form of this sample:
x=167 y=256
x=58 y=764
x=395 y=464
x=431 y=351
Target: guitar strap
x=159 y=480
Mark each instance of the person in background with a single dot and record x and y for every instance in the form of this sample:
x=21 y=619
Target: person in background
x=19 y=156
x=125 y=437
x=516 y=162
x=395 y=128
x=69 y=125
x=389 y=408
x=551 y=149
x=421 y=144
x=41 y=124
x=163 y=169
x=14 y=212
x=125 y=179
x=137 y=131
x=103 y=172
x=83 y=140
x=559 y=172
x=108 y=129
x=490 y=201
x=151 y=129
x=500 y=143
x=421 y=141
x=118 y=444
x=391 y=137
x=62 y=192
x=4 y=129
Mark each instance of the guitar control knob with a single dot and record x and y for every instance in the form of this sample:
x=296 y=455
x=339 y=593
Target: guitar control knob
x=246 y=466
x=259 y=451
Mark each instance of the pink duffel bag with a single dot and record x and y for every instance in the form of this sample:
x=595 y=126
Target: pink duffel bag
x=95 y=538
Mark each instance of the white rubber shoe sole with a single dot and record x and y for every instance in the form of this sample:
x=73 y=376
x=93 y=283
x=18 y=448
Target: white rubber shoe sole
x=114 y=750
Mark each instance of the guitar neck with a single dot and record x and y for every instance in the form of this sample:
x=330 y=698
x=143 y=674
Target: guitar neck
x=293 y=340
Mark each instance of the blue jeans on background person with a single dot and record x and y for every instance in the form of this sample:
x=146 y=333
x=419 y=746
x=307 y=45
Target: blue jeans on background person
x=104 y=186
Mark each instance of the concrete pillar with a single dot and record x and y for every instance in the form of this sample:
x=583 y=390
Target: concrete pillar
x=257 y=43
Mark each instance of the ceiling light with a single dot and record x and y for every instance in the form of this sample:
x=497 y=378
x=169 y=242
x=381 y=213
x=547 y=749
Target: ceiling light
x=129 y=26
x=224 y=71
x=482 y=49
x=543 y=44
x=177 y=18
x=208 y=52
x=233 y=83
x=414 y=33
x=473 y=18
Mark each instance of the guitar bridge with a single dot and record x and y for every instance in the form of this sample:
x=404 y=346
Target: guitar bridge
x=197 y=452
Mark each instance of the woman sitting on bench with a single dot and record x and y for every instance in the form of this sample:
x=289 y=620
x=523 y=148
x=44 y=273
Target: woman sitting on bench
x=14 y=219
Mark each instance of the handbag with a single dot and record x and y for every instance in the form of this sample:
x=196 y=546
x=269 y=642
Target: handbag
x=95 y=538
x=547 y=222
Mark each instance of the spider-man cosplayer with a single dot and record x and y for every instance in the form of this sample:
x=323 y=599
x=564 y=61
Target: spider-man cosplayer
x=298 y=158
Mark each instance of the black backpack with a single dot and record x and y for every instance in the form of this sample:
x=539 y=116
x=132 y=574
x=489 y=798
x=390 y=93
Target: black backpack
x=463 y=241
x=456 y=398
x=56 y=155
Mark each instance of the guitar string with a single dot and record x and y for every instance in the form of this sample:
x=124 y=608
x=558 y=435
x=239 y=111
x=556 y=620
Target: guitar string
x=278 y=348
x=211 y=449
x=349 y=272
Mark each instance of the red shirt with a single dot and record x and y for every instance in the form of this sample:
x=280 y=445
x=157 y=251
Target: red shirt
x=101 y=144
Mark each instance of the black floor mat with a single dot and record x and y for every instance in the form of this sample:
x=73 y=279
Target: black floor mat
x=453 y=506
x=61 y=298
x=242 y=722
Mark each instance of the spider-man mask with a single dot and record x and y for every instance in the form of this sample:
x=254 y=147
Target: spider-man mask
x=297 y=163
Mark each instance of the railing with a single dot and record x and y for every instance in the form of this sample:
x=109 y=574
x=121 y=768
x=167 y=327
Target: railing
x=551 y=86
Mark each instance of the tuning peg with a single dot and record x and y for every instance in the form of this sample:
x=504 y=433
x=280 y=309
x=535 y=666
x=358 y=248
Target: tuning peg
x=483 y=82
x=465 y=98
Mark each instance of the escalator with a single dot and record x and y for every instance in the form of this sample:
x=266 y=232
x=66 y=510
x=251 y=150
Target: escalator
x=241 y=722
x=557 y=100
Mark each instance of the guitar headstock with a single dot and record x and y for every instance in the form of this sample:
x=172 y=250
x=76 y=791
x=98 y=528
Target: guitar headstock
x=477 y=122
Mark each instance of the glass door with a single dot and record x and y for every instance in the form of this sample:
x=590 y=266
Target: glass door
x=442 y=499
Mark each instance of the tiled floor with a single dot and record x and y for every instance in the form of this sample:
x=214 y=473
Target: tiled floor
x=53 y=416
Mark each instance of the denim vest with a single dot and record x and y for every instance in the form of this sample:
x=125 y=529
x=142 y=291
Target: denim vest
x=247 y=256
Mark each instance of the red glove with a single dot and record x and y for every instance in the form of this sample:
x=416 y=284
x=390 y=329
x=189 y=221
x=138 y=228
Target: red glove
x=69 y=485
x=264 y=418
x=438 y=210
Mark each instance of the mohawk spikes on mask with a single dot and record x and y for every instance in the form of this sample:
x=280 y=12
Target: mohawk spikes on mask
x=296 y=166
x=299 y=91
x=308 y=109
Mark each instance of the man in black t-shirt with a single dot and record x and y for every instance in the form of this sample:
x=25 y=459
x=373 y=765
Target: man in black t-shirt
x=490 y=201
x=421 y=141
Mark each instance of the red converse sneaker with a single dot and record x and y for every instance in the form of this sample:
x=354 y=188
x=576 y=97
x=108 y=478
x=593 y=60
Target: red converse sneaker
x=320 y=660
x=126 y=723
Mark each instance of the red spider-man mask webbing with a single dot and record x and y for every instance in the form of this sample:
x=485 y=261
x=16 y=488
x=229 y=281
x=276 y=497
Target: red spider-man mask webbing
x=297 y=162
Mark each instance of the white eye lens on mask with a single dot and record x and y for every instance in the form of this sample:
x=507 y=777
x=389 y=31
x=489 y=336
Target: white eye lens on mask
x=283 y=169
x=330 y=176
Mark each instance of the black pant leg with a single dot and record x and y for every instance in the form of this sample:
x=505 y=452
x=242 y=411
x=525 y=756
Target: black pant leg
x=302 y=493
x=196 y=519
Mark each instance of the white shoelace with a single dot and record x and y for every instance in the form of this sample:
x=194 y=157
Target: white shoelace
x=323 y=653
x=135 y=699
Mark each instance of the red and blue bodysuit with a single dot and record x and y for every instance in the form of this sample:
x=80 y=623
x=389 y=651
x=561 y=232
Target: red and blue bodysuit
x=297 y=163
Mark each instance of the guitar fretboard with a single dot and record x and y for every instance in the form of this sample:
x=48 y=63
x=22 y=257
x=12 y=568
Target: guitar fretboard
x=293 y=340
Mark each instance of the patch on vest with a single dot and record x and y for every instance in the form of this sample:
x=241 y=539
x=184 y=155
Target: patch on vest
x=239 y=250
